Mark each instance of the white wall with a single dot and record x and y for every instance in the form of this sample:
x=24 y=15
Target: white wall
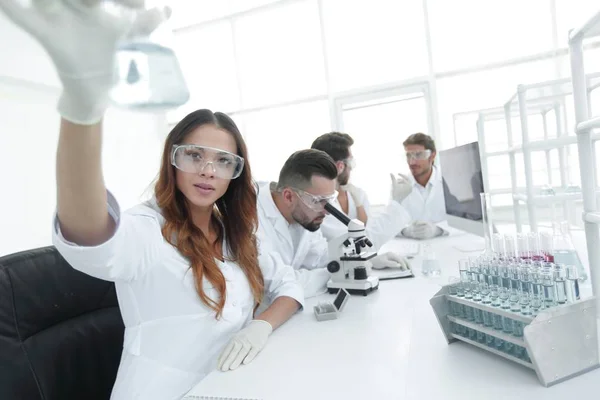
x=29 y=123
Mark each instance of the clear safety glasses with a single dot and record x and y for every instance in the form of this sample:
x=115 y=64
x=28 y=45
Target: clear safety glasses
x=195 y=159
x=315 y=203
x=418 y=155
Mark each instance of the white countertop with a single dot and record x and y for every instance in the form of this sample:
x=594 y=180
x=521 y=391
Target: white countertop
x=387 y=345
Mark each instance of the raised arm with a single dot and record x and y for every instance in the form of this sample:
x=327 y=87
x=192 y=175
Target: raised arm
x=81 y=194
x=81 y=39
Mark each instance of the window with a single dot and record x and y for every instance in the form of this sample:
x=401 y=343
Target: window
x=190 y=12
x=474 y=32
x=208 y=64
x=272 y=135
x=378 y=129
x=186 y=12
x=374 y=42
x=280 y=54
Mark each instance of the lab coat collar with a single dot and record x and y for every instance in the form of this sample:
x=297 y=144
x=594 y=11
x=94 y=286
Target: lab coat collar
x=433 y=179
x=266 y=202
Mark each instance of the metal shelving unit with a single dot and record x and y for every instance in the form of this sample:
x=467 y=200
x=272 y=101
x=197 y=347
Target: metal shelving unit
x=585 y=126
x=545 y=96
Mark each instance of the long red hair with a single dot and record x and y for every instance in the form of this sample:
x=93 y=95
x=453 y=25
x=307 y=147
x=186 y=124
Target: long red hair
x=235 y=210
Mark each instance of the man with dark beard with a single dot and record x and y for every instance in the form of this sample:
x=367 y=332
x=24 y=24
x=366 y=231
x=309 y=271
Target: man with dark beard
x=353 y=201
x=291 y=212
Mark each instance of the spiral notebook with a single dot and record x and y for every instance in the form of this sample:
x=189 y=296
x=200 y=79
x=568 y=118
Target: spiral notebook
x=223 y=386
x=218 y=398
x=214 y=392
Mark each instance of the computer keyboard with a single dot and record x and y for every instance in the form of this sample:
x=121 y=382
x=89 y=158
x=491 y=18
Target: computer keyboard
x=408 y=249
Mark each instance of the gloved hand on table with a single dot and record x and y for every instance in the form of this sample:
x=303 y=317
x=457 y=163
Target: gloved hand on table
x=422 y=230
x=389 y=260
x=245 y=345
x=401 y=187
x=81 y=38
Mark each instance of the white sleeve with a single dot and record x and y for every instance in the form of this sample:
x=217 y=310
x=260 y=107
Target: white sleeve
x=133 y=248
x=383 y=227
x=366 y=204
x=280 y=279
x=317 y=255
x=313 y=281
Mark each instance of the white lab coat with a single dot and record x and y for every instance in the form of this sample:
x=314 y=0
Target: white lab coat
x=172 y=340
x=432 y=209
x=309 y=257
x=380 y=228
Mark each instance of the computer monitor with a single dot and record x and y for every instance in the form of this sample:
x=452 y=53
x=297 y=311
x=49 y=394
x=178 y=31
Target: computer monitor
x=462 y=180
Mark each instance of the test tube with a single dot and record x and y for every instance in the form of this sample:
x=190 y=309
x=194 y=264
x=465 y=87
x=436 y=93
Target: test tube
x=523 y=246
x=481 y=337
x=525 y=300
x=503 y=273
x=498 y=246
x=494 y=277
x=477 y=313
x=534 y=246
x=548 y=288
x=505 y=305
x=496 y=302
x=474 y=268
x=515 y=283
x=486 y=300
x=536 y=289
x=497 y=319
x=560 y=282
x=465 y=277
x=484 y=269
x=546 y=246
x=510 y=249
x=572 y=283
x=454 y=307
x=517 y=328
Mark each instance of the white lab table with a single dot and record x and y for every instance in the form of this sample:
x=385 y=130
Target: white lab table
x=387 y=345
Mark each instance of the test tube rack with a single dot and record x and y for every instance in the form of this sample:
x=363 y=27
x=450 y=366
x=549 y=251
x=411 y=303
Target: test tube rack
x=561 y=342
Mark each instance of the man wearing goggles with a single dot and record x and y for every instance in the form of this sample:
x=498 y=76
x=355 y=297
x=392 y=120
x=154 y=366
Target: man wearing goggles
x=291 y=211
x=353 y=201
x=425 y=204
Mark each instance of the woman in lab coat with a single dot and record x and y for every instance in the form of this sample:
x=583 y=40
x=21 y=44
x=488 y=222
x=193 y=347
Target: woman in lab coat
x=186 y=266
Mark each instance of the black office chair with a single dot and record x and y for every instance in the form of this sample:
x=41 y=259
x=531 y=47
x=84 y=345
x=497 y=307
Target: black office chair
x=61 y=332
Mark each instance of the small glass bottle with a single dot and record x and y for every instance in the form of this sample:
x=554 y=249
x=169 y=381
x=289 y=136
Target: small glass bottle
x=572 y=284
x=149 y=76
x=430 y=265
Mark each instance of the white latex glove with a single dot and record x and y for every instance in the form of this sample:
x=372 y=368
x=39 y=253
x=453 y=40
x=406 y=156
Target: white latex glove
x=389 y=260
x=422 y=230
x=401 y=187
x=245 y=345
x=356 y=193
x=81 y=37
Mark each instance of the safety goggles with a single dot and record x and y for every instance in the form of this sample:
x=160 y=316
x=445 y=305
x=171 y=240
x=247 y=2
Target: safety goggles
x=315 y=203
x=194 y=159
x=350 y=162
x=418 y=155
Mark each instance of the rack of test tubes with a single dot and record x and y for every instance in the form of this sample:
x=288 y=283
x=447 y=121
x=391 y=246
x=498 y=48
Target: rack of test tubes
x=524 y=307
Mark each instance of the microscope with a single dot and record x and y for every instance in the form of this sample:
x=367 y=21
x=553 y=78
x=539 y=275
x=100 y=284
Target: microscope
x=349 y=254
